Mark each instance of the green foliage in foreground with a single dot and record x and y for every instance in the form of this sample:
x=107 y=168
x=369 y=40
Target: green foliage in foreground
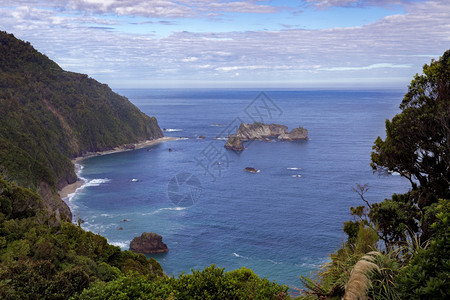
x=42 y=257
x=427 y=276
x=211 y=283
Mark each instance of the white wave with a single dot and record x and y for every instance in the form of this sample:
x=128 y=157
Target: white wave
x=297 y=176
x=395 y=173
x=240 y=256
x=183 y=138
x=163 y=209
x=121 y=244
x=172 y=129
x=70 y=199
x=221 y=138
x=216 y=125
x=275 y=262
x=96 y=182
x=293 y=168
x=106 y=215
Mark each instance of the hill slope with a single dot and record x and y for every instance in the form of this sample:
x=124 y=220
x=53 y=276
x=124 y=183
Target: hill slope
x=49 y=115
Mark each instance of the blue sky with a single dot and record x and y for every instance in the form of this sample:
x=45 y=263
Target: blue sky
x=258 y=44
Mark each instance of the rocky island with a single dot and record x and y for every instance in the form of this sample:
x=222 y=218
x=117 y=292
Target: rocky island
x=264 y=132
x=148 y=242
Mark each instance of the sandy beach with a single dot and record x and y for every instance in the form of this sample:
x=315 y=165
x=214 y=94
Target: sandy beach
x=71 y=188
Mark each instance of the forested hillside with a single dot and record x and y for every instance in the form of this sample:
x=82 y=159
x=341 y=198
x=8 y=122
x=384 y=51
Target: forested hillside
x=49 y=115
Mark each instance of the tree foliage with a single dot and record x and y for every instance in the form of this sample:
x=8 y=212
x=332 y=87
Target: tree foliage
x=417 y=141
x=210 y=283
x=413 y=261
x=42 y=257
x=427 y=276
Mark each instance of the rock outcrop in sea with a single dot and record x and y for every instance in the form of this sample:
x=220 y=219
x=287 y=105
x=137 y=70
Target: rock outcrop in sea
x=251 y=170
x=148 y=242
x=264 y=132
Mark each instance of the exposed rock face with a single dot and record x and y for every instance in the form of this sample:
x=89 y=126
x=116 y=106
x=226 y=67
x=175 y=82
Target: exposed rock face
x=260 y=131
x=148 y=242
x=298 y=133
x=234 y=143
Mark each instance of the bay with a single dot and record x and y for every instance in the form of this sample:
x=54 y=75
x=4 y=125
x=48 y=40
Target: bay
x=281 y=222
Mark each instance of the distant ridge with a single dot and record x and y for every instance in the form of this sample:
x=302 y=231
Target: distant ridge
x=48 y=116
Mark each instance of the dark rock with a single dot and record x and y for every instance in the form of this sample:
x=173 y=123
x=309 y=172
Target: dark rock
x=170 y=150
x=202 y=137
x=148 y=242
x=234 y=143
x=120 y=228
x=251 y=170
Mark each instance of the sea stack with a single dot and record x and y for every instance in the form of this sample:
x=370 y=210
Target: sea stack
x=148 y=242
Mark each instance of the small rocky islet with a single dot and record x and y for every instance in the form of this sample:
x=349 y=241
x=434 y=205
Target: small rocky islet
x=148 y=242
x=263 y=132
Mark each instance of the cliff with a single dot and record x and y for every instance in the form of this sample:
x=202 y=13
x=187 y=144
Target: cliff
x=266 y=132
x=49 y=116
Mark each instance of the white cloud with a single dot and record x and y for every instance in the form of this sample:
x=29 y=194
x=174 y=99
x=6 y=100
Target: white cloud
x=190 y=59
x=152 y=8
x=356 y=3
x=370 y=67
x=393 y=47
x=268 y=67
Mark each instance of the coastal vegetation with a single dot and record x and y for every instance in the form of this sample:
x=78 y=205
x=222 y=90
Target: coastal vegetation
x=395 y=249
x=49 y=116
x=398 y=248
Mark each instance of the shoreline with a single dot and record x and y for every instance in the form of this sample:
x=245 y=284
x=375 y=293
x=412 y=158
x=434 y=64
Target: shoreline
x=72 y=187
x=123 y=148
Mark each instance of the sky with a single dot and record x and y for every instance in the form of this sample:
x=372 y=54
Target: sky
x=235 y=43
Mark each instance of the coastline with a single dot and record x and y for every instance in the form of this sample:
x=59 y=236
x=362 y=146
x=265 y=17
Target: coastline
x=124 y=148
x=72 y=187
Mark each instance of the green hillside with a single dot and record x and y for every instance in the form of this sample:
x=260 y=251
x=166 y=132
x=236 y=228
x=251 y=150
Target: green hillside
x=49 y=115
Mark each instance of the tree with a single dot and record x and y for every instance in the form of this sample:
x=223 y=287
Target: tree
x=417 y=143
x=427 y=276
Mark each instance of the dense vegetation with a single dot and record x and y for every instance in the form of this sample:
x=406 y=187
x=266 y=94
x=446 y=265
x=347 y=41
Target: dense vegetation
x=44 y=258
x=399 y=248
x=49 y=115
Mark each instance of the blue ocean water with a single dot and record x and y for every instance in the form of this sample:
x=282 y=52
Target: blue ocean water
x=281 y=222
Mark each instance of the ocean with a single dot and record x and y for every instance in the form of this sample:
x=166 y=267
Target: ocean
x=281 y=222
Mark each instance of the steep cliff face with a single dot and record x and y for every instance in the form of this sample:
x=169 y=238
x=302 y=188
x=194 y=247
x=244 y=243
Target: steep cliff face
x=49 y=115
x=266 y=132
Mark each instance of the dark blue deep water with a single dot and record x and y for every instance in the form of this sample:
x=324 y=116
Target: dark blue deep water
x=277 y=223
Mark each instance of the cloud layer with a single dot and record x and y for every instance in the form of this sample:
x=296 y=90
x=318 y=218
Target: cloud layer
x=81 y=38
